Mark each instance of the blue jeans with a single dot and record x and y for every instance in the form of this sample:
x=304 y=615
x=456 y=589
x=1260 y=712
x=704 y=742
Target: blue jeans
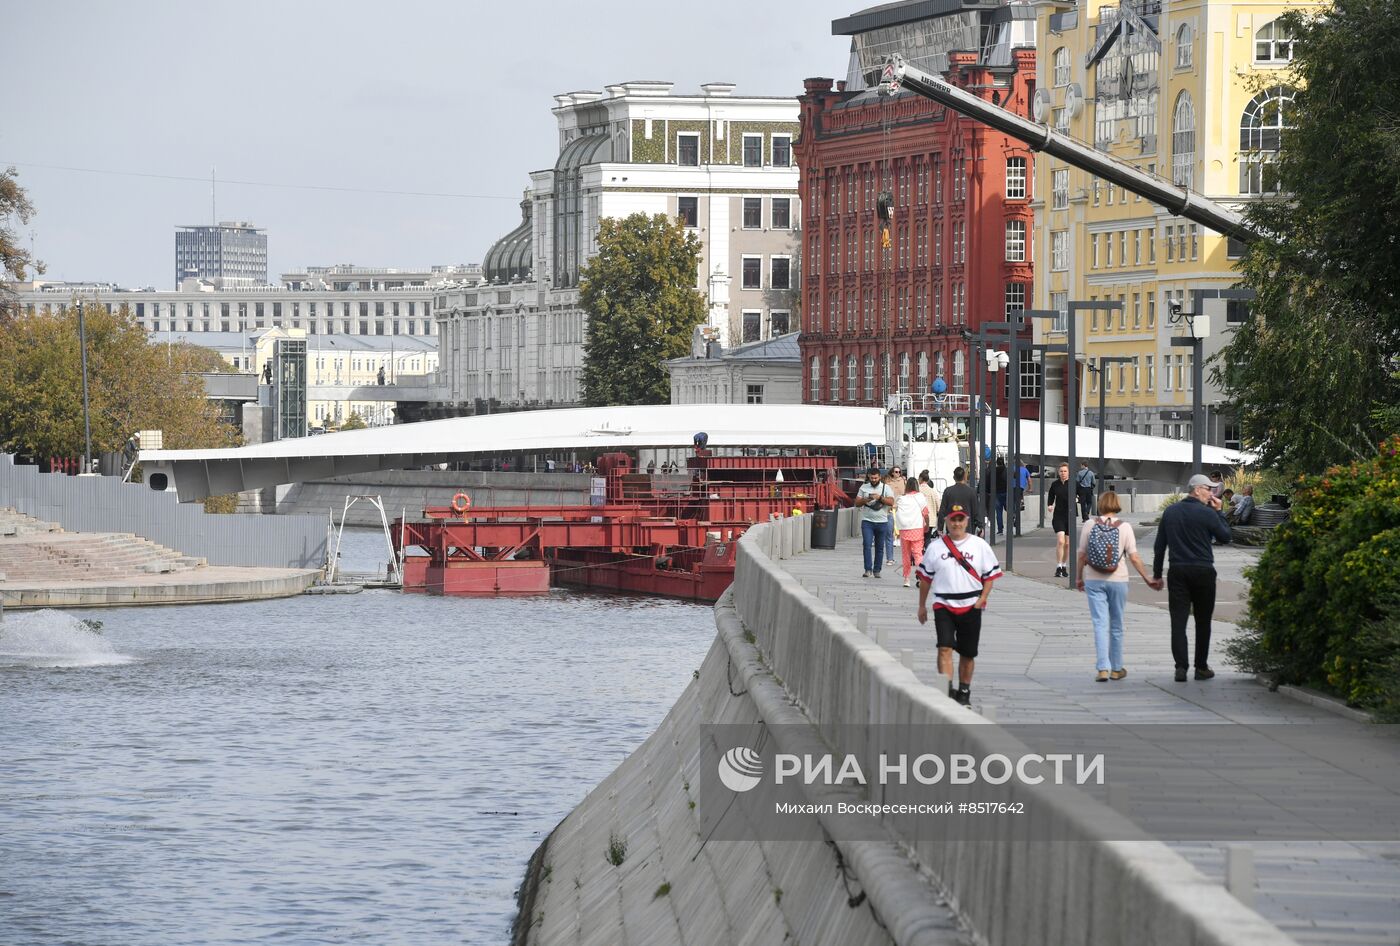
x=876 y=535
x=1001 y=510
x=1106 y=600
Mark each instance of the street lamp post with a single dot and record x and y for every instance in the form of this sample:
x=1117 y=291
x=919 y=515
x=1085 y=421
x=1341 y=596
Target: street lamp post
x=1072 y=402
x=1198 y=325
x=1021 y=318
x=86 y=466
x=1101 y=369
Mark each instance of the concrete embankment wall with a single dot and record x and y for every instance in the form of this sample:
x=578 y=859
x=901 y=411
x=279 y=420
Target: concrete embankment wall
x=787 y=660
x=411 y=490
x=105 y=504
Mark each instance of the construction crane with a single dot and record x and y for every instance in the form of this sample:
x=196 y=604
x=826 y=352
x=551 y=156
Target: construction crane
x=897 y=73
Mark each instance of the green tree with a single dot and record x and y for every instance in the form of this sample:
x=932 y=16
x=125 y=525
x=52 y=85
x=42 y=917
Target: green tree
x=353 y=422
x=132 y=385
x=642 y=305
x=1312 y=369
x=15 y=261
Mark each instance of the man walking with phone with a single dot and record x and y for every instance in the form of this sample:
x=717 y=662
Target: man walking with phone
x=1187 y=529
x=959 y=569
x=874 y=499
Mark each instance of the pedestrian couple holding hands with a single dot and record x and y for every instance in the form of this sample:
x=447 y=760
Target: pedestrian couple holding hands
x=1106 y=546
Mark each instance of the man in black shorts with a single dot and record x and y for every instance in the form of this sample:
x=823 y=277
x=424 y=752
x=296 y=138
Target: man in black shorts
x=959 y=569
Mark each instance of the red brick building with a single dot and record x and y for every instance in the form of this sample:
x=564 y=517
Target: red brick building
x=880 y=319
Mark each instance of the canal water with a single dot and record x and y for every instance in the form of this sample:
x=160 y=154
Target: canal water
x=370 y=768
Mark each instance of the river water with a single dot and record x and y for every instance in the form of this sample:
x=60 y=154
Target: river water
x=371 y=768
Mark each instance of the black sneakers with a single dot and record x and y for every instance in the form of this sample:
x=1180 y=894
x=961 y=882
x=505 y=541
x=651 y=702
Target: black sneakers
x=1181 y=674
x=1203 y=673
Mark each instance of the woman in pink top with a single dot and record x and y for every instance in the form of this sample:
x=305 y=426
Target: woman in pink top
x=1108 y=591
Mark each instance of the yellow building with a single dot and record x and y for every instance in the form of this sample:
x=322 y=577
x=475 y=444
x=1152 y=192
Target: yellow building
x=1189 y=90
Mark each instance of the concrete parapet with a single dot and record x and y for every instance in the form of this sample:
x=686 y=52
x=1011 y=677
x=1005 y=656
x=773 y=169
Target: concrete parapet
x=1081 y=890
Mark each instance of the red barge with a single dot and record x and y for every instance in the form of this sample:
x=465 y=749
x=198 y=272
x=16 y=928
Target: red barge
x=662 y=534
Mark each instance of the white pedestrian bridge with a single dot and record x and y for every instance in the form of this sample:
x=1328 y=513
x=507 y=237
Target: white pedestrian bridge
x=199 y=473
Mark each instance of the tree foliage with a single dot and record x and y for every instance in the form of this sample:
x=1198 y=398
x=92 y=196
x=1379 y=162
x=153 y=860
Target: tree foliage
x=642 y=306
x=132 y=385
x=15 y=260
x=1311 y=370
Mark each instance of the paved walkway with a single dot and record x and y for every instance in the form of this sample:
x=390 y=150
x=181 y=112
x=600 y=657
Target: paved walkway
x=1037 y=666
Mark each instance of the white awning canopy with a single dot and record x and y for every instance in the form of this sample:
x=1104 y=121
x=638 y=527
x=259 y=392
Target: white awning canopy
x=200 y=473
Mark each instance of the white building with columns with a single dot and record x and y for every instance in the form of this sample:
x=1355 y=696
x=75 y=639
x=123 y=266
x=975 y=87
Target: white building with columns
x=722 y=163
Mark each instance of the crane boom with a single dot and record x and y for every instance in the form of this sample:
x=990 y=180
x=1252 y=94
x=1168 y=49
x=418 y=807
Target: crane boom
x=898 y=73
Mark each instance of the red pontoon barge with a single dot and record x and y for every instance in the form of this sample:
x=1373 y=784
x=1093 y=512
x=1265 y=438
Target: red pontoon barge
x=664 y=534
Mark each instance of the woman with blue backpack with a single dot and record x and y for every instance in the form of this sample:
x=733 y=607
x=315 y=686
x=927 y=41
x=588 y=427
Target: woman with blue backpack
x=1106 y=545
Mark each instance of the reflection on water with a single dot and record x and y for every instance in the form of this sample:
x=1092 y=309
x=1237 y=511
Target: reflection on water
x=373 y=767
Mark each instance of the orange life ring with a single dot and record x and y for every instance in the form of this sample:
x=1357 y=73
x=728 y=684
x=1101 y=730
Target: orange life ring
x=461 y=503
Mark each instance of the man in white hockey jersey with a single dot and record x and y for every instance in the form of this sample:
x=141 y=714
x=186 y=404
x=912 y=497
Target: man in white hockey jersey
x=959 y=569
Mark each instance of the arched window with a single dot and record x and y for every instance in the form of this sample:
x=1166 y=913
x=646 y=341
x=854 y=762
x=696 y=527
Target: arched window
x=1183 y=141
x=885 y=375
x=1061 y=63
x=869 y=386
x=904 y=372
x=851 y=378
x=1184 y=38
x=816 y=381
x=835 y=366
x=1262 y=128
x=1273 y=43
x=958 y=378
x=923 y=371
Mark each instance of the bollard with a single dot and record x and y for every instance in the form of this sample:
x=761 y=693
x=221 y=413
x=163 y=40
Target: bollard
x=835 y=602
x=881 y=635
x=863 y=622
x=1239 y=873
x=906 y=657
x=989 y=711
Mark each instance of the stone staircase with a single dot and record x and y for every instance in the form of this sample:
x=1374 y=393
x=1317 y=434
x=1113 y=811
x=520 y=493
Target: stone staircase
x=33 y=550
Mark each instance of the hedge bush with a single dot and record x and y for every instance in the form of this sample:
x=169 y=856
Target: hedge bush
x=1324 y=599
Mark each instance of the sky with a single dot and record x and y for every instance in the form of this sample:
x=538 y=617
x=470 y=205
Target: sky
x=118 y=111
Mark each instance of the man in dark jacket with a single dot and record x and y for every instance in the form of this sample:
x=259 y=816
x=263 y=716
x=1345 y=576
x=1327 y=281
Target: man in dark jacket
x=960 y=494
x=1187 y=529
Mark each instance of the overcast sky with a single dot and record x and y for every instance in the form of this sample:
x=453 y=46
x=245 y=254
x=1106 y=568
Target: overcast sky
x=437 y=97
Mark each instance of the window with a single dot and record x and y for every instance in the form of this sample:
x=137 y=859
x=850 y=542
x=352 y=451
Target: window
x=1152 y=245
x=1059 y=189
x=753 y=272
x=1170 y=242
x=1137 y=247
x=851 y=379
x=1151 y=310
x=779 y=322
x=1094 y=250
x=923 y=371
x=782 y=151
x=835 y=365
x=1183 y=46
x=1059 y=301
x=688 y=150
x=1030 y=375
x=753 y=213
x=752 y=325
x=1015 y=241
x=1108 y=243
x=814 y=389
x=753 y=151
x=1096 y=189
x=1262 y=128
x=1059 y=250
x=781 y=273
x=782 y=213
x=1060 y=59
x=959 y=375
x=753 y=394
x=1195 y=236
x=1183 y=141
x=1015 y=178
x=1015 y=297
x=1137 y=312
x=1151 y=374
x=904 y=372
x=688 y=211
x=1273 y=43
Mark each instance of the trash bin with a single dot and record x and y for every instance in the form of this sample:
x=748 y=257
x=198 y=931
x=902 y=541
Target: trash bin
x=824 y=528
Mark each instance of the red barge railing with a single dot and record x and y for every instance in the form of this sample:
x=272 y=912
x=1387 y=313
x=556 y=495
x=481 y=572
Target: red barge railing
x=669 y=534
